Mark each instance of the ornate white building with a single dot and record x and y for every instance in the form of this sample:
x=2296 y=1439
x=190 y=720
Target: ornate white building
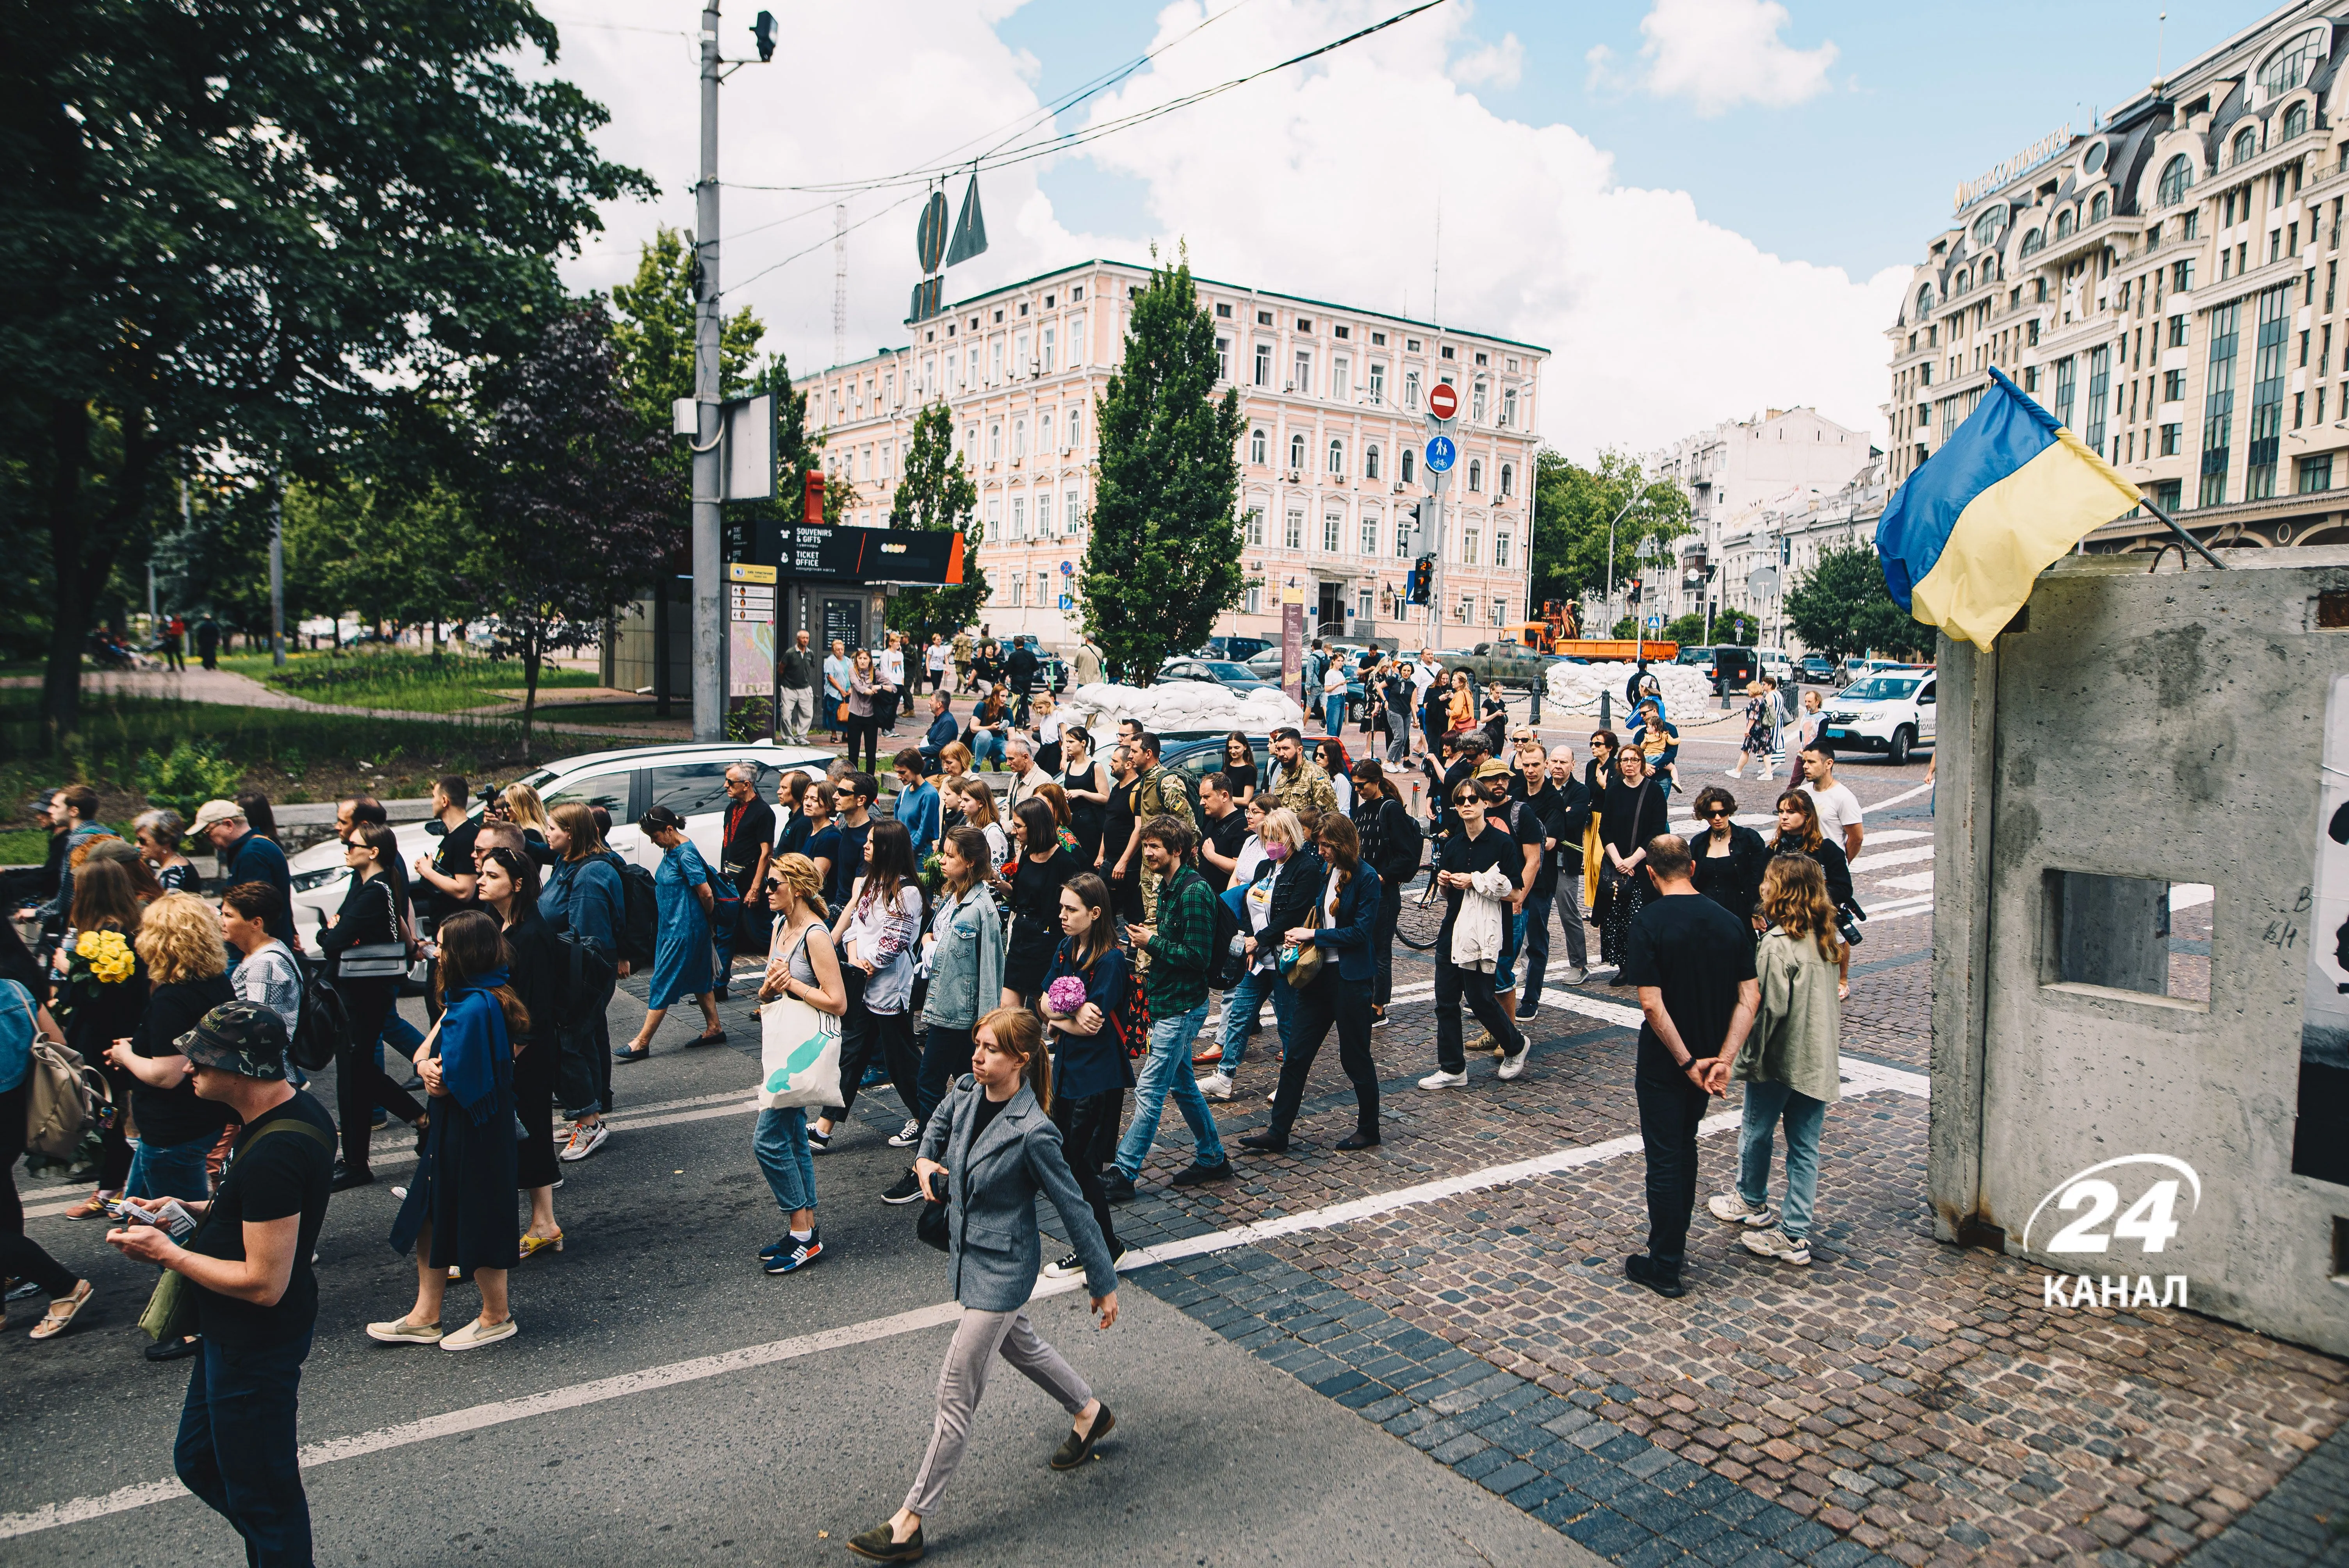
x=2169 y=286
x=1334 y=401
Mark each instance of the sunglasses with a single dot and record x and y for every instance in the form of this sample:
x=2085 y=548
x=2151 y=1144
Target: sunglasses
x=1718 y=811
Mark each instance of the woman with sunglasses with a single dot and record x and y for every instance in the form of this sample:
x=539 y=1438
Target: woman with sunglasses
x=1633 y=815
x=1730 y=860
x=1597 y=777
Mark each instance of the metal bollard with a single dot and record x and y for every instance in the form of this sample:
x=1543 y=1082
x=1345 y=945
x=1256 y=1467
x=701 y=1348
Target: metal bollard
x=1606 y=709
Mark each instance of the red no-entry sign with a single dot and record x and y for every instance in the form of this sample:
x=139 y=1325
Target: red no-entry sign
x=1442 y=401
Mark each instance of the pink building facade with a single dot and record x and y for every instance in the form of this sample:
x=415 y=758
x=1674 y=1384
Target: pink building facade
x=1334 y=403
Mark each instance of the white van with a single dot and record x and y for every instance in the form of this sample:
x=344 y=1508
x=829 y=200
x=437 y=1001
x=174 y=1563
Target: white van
x=1890 y=711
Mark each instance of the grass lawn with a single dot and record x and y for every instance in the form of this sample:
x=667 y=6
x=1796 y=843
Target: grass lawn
x=418 y=683
x=292 y=757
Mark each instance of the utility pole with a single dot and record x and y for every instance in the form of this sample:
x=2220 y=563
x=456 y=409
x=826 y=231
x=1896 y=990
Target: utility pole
x=840 y=283
x=708 y=597
x=277 y=571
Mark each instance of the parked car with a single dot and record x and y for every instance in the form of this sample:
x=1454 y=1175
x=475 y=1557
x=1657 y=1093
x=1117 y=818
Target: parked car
x=1733 y=667
x=1052 y=676
x=1266 y=667
x=690 y=779
x=1818 y=671
x=1891 y=712
x=1224 y=673
x=1237 y=649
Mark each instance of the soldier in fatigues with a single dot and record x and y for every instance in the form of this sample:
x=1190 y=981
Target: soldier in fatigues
x=1157 y=792
x=962 y=651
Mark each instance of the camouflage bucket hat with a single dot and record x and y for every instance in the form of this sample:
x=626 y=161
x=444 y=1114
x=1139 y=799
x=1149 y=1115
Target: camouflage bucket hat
x=241 y=1038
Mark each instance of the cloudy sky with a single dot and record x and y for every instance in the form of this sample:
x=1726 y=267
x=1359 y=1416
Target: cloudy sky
x=1702 y=207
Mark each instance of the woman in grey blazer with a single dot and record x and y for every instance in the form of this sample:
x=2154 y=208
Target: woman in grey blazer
x=989 y=1151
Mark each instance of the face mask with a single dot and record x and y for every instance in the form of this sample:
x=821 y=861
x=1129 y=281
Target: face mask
x=1275 y=852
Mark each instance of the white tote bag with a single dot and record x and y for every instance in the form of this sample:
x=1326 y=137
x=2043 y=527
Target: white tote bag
x=798 y=1053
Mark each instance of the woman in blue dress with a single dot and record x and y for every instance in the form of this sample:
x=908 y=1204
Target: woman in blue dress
x=684 y=964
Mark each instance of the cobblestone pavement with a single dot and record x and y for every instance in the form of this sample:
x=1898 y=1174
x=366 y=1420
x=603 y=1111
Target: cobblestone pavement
x=1898 y=1399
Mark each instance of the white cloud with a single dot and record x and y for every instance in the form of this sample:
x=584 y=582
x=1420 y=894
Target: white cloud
x=1501 y=64
x=1315 y=183
x=1721 y=52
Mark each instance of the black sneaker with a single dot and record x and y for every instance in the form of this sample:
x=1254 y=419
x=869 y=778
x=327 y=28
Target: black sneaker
x=819 y=1141
x=1644 y=1269
x=796 y=1254
x=1117 y=1186
x=1197 y=1174
x=344 y=1180
x=906 y=1190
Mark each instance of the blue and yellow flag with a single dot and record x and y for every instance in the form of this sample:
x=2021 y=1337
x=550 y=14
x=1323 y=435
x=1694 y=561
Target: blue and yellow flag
x=2011 y=491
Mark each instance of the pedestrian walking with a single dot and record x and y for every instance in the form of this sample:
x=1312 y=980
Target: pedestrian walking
x=1329 y=756
x=744 y=844
x=208 y=637
x=1299 y=783
x=371 y=917
x=1598 y=776
x=875 y=929
x=1286 y=886
x=1800 y=833
x=1343 y=933
x=1840 y=818
x=1085 y=994
x=1390 y=842
x=106 y=978
x=1659 y=743
x=460 y=1213
x=1088 y=662
x=1333 y=693
x=978 y=811
x=247 y=855
x=934 y=661
x=796 y=673
x=852 y=799
x=683 y=962
x=1541 y=809
x=1120 y=860
x=540 y=968
x=1807 y=723
x=988 y=1155
x=1480 y=867
x=24 y=1020
x=1034 y=889
x=1761 y=732
x=1633 y=815
x=248 y=1273
x=964 y=951
x=863 y=725
x=586 y=906
x=1176 y=951
x=159 y=833
x=1692 y=963
x=1791 y=1064
x=175 y=639
x=519 y=804
x=888 y=685
x=832 y=712
x=444 y=879
x=802 y=967
x=265 y=971
x=961 y=649
x=1729 y=858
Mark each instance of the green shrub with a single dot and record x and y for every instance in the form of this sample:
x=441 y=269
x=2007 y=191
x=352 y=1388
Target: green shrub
x=186 y=775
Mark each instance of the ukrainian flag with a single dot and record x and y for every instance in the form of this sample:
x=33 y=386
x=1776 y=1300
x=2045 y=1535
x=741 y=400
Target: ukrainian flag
x=1962 y=540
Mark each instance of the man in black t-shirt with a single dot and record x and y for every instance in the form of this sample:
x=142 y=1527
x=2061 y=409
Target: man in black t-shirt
x=1479 y=845
x=857 y=793
x=1224 y=828
x=748 y=842
x=247 y=1266
x=445 y=878
x=1693 y=962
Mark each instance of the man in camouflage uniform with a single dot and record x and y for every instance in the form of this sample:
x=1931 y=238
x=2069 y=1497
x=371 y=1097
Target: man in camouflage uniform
x=1157 y=792
x=1302 y=785
x=963 y=646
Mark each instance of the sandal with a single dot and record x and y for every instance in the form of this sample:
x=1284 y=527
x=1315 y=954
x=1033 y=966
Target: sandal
x=90 y=1208
x=533 y=1246
x=56 y=1322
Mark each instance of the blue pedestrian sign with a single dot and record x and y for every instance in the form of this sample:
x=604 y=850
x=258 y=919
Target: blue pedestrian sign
x=1441 y=453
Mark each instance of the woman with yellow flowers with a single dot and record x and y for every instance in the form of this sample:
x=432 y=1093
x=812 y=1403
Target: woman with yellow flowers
x=104 y=996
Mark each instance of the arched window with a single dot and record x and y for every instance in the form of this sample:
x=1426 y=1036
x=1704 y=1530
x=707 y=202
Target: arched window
x=2100 y=209
x=2037 y=241
x=2247 y=142
x=2176 y=180
x=1924 y=301
x=1990 y=225
x=1257 y=445
x=2295 y=121
x=1410 y=465
x=2289 y=66
x=1508 y=479
x=1370 y=461
x=1963 y=284
x=2062 y=223
x=1296 y=450
x=1475 y=476
x=1337 y=457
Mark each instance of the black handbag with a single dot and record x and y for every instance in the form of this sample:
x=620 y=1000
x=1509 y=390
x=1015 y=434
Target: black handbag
x=930 y=1226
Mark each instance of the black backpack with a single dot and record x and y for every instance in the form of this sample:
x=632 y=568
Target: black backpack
x=639 y=933
x=1225 y=968
x=324 y=1023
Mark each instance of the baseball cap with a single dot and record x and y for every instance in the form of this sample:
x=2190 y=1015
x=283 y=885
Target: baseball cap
x=241 y=1038
x=213 y=811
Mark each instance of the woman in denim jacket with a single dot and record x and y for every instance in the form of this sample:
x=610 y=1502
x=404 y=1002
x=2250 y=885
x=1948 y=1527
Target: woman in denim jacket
x=964 y=954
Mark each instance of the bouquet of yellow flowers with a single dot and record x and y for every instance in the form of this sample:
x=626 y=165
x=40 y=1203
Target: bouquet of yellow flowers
x=105 y=957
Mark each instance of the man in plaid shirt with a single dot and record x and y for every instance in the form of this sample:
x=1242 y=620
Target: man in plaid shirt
x=1174 y=955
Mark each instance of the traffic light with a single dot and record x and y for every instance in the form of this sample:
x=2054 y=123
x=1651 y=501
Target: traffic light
x=1423 y=579
x=763 y=29
x=1631 y=591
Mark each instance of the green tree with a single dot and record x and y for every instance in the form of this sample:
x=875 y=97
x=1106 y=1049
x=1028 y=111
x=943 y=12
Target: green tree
x=654 y=333
x=242 y=230
x=1730 y=628
x=935 y=493
x=1163 y=559
x=1572 y=507
x=1841 y=608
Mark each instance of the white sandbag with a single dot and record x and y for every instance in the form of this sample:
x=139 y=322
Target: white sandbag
x=1174 y=707
x=1687 y=688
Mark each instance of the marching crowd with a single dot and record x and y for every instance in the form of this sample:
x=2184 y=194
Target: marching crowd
x=1026 y=944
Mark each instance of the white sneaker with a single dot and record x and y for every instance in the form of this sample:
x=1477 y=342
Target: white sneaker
x=476 y=1333
x=1216 y=1086
x=1515 y=1066
x=1776 y=1244
x=907 y=1136
x=586 y=1139
x=1441 y=1079
x=1733 y=1208
x=1575 y=976
x=1733 y=773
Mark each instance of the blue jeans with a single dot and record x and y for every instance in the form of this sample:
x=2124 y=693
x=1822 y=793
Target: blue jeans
x=1165 y=1071
x=986 y=747
x=236 y=1449
x=1240 y=1005
x=781 y=1143
x=169 y=1171
x=1333 y=714
x=1504 y=969
x=1765 y=1103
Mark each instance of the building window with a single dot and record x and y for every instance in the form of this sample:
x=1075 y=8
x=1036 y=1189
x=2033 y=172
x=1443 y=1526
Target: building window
x=2266 y=396
x=1370 y=534
x=2173 y=387
x=997 y=349
x=2064 y=223
x=2101 y=208
x=995 y=442
x=2218 y=403
x=1253 y=601
x=2100 y=378
x=1475 y=476
x=1378 y=374
x=2246 y=144
x=1341 y=378
x=1296 y=450
x=1264 y=318
x=1044 y=433
x=1411 y=390
x=1020 y=517
x=1402 y=533
x=1508 y=479
x=1044 y=515
x=2289 y=66
x=1223 y=357
x=1301 y=383
x=1076 y=428
x=2065 y=375
x=1410 y=465
x=1254 y=534
x=1500 y=612
x=1018 y=589
x=1258 y=443
x=1338 y=457
x=1072 y=512
x=1333 y=527
x=1509 y=408
x=2034 y=242
x=2295 y=121
x=1292 y=533
x=1370 y=461
x=1501 y=543
x=1465 y=610
x=1264 y=364
x=1052 y=350
x=1044 y=597
x=1476 y=402
x=2315 y=474
x=1365 y=601
x=1018 y=440
x=1470 y=546
x=2170 y=439
x=1924 y=300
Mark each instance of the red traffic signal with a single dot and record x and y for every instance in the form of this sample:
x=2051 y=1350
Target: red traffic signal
x=1631 y=591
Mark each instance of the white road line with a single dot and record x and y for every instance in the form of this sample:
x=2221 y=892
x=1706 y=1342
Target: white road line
x=1921 y=883
x=1859 y=1077
x=1909 y=856
x=1896 y=835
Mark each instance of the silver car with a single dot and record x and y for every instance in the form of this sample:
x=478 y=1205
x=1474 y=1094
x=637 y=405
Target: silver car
x=689 y=780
